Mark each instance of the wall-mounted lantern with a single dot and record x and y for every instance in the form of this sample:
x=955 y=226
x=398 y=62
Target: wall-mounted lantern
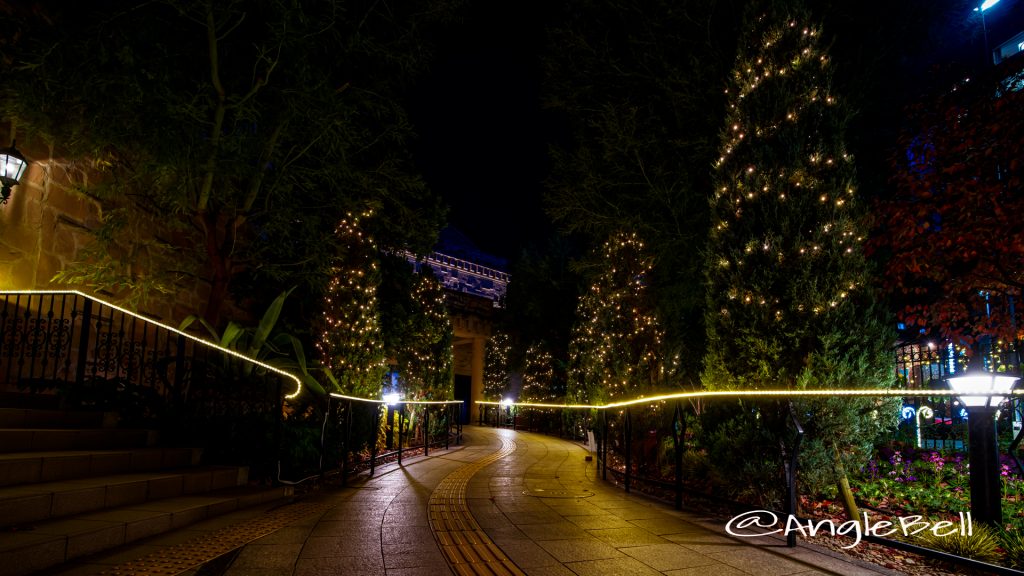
x=12 y=167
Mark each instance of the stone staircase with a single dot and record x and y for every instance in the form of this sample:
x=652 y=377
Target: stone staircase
x=71 y=485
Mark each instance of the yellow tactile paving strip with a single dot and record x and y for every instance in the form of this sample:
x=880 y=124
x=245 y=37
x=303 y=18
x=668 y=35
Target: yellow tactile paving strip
x=177 y=559
x=465 y=545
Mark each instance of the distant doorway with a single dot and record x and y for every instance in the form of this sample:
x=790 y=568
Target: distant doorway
x=463 y=385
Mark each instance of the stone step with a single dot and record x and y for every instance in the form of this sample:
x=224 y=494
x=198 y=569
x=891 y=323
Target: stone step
x=51 y=439
x=49 y=544
x=29 y=467
x=31 y=503
x=31 y=418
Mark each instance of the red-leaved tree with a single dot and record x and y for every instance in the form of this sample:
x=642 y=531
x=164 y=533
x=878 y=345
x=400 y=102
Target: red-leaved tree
x=951 y=235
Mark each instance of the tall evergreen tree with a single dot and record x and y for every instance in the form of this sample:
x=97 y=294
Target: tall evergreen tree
x=617 y=350
x=790 y=301
x=350 y=341
x=635 y=83
x=425 y=360
x=497 y=365
x=539 y=375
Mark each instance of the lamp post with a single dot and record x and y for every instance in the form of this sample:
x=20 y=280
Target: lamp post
x=390 y=399
x=984 y=29
x=983 y=448
x=508 y=405
x=12 y=168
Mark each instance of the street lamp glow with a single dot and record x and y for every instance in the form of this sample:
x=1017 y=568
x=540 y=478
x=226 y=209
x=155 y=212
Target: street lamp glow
x=392 y=398
x=976 y=381
x=986 y=5
x=506 y=402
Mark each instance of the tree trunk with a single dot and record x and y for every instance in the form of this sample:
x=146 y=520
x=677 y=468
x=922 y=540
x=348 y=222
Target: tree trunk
x=843 y=485
x=218 y=242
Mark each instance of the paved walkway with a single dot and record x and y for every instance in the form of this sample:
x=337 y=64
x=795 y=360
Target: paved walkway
x=504 y=503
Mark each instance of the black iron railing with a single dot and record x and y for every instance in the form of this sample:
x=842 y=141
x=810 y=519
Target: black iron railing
x=65 y=349
x=368 y=432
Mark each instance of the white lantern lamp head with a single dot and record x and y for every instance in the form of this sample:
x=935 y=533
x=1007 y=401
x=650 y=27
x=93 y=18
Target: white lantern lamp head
x=392 y=398
x=975 y=381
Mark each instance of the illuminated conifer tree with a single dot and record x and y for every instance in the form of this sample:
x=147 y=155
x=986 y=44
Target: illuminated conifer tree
x=425 y=361
x=497 y=370
x=538 y=375
x=350 y=342
x=616 y=347
x=789 y=297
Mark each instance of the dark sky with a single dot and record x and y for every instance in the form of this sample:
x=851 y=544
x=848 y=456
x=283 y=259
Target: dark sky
x=483 y=135
x=482 y=142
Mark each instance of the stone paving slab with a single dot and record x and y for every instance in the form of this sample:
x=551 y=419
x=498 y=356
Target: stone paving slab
x=506 y=503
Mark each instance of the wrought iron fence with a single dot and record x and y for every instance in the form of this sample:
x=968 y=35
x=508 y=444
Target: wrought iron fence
x=69 y=350
x=365 y=433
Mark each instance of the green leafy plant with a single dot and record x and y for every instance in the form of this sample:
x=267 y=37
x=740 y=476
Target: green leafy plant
x=980 y=544
x=280 y=350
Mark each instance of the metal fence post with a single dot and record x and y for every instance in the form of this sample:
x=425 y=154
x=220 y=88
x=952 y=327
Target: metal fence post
x=604 y=446
x=791 y=476
x=679 y=440
x=401 y=430
x=83 y=343
x=628 y=435
x=373 y=448
x=426 y=430
x=347 y=449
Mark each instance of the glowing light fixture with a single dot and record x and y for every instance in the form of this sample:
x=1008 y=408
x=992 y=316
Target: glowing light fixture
x=986 y=5
x=12 y=168
x=506 y=402
x=978 y=388
x=392 y=398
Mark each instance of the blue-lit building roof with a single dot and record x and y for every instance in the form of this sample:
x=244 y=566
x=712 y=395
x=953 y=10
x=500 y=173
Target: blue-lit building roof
x=462 y=267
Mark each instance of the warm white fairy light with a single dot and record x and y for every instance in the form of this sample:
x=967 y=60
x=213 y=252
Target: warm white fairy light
x=496 y=364
x=350 y=340
x=538 y=375
x=616 y=344
x=732 y=394
x=789 y=61
x=425 y=359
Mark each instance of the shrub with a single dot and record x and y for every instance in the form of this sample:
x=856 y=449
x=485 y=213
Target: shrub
x=982 y=544
x=1013 y=548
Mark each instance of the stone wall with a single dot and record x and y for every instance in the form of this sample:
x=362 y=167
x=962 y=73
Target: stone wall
x=48 y=221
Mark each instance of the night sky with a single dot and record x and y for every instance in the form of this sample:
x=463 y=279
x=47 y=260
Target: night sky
x=483 y=136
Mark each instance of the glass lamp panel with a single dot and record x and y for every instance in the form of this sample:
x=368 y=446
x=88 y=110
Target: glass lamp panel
x=12 y=166
x=981 y=383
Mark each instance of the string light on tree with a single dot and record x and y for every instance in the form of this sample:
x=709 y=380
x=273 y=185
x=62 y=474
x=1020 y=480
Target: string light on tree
x=788 y=298
x=496 y=365
x=616 y=347
x=350 y=341
x=425 y=364
x=538 y=375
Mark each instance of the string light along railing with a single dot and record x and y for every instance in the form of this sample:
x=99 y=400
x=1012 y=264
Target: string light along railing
x=393 y=401
x=196 y=339
x=886 y=393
